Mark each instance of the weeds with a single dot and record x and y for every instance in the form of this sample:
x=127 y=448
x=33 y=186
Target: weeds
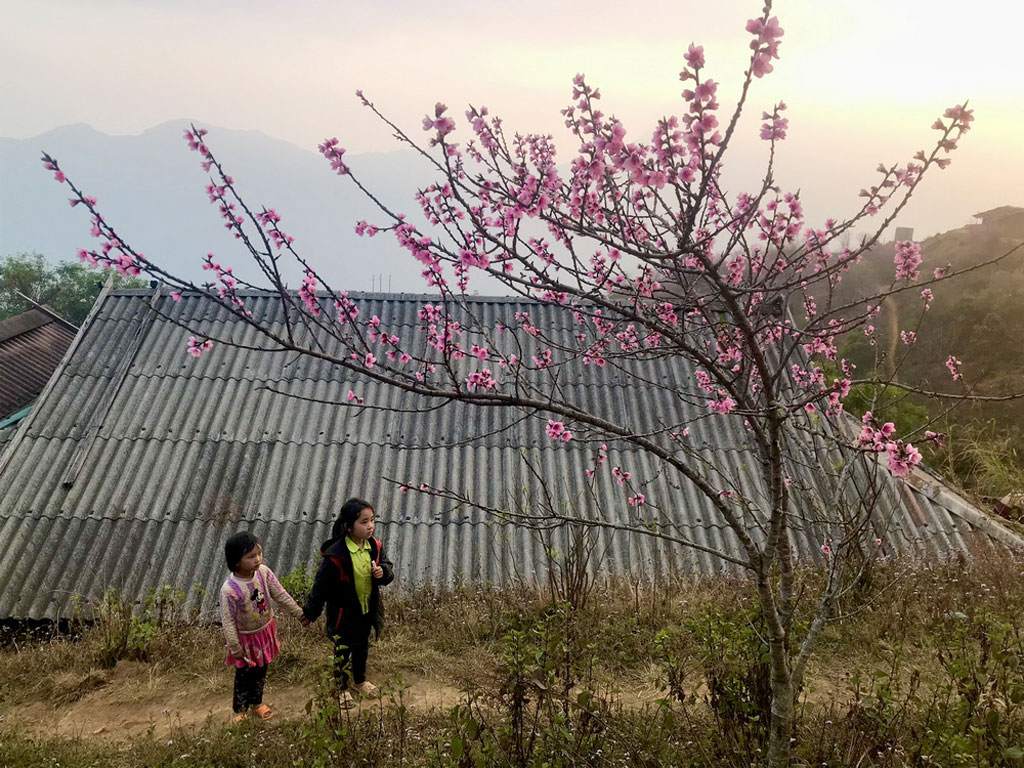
x=930 y=674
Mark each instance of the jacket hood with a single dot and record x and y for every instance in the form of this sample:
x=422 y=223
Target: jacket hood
x=332 y=546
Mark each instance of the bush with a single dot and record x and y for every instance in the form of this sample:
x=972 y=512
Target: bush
x=299 y=583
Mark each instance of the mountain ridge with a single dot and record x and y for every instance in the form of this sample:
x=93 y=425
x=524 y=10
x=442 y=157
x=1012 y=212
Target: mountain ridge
x=152 y=190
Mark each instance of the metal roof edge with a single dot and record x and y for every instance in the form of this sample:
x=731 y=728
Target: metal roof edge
x=961 y=507
x=382 y=296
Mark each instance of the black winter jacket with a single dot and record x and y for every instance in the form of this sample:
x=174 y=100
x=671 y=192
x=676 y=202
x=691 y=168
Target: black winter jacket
x=334 y=586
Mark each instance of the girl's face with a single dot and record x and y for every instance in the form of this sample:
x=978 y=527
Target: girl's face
x=250 y=562
x=362 y=528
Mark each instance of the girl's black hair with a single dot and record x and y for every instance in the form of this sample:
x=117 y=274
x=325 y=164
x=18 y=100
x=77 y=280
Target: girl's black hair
x=237 y=547
x=350 y=512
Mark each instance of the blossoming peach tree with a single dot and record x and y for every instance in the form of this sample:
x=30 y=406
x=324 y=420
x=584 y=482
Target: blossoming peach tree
x=638 y=247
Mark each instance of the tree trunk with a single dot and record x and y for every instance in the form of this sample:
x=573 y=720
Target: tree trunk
x=780 y=727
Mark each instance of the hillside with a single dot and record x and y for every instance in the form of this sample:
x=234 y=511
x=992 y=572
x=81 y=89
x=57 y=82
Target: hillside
x=978 y=317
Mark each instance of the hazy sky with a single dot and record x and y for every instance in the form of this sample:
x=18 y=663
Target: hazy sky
x=863 y=79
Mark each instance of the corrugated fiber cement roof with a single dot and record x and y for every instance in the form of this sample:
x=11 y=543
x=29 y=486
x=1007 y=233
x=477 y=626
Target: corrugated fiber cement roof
x=141 y=460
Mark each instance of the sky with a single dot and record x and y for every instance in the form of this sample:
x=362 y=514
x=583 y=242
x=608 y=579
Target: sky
x=863 y=80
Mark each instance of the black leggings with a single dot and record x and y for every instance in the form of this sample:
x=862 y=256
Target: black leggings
x=248 y=687
x=350 y=652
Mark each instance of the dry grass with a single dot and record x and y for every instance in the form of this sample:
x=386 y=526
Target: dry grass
x=458 y=640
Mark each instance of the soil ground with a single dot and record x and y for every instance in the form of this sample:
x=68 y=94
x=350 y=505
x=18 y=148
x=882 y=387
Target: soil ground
x=134 y=700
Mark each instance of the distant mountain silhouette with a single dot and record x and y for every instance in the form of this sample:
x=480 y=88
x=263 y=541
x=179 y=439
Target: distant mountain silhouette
x=152 y=189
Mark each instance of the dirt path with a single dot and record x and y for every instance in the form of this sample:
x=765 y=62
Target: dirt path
x=130 y=705
x=135 y=700
x=894 y=334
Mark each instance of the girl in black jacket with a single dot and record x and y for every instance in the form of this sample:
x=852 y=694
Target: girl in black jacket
x=351 y=573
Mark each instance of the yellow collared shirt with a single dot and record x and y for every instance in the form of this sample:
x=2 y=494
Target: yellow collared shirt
x=361 y=571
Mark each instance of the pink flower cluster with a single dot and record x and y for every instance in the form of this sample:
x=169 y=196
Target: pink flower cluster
x=872 y=438
x=365 y=230
x=953 y=364
x=556 y=430
x=765 y=45
x=695 y=56
x=270 y=220
x=228 y=283
x=443 y=125
x=484 y=380
x=330 y=150
x=197 y=347
x=307 y=292
x=58 y=175
x=723 y=403
x=901 y=456
x=602 y=457
x=907 y=259
x=775 y=126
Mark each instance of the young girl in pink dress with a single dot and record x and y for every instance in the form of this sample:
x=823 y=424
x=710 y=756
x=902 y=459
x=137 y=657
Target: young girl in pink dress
x=247 y=617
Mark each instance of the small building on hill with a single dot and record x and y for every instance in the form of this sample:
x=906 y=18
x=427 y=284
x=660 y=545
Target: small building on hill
x=31 y=347
x=1008 y=220
x=140 y=460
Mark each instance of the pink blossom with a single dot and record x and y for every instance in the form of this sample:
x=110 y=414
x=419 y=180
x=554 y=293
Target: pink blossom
x=369 y=360
x=902 y=457
x=953 y=364
x=333 y=153
x=695 y=56
x=365 y=230
x=907 y=259
x=481 y=380
x=556 y=431
x=723 y=404
x=637 y=501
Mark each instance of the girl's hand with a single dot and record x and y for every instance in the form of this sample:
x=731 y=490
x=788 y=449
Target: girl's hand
x=249 y=661
x=377 y=572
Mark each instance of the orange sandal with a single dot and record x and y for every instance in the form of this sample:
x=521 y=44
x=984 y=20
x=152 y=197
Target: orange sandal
x=239 y=717
x=263 y=712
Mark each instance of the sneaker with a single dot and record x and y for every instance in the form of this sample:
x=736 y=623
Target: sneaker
x=345 y=701
x=365 y=688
